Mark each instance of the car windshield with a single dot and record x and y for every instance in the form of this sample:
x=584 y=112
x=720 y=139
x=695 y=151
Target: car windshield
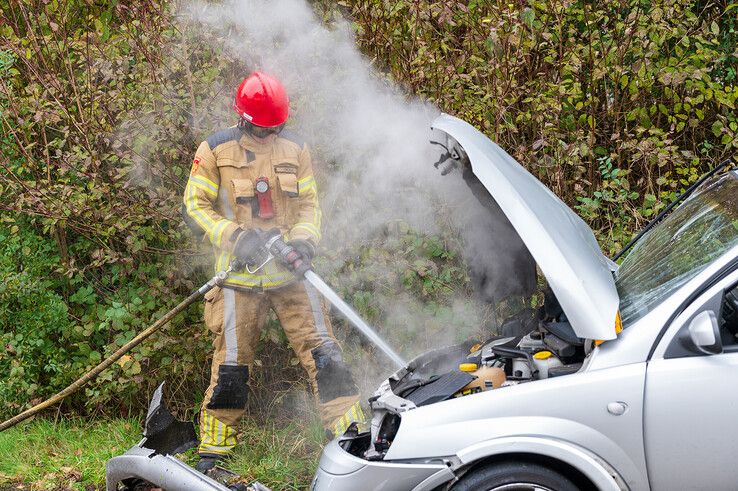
x=699 y=231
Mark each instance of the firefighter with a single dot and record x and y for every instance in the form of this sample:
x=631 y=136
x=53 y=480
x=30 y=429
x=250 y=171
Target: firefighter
x=258 y=175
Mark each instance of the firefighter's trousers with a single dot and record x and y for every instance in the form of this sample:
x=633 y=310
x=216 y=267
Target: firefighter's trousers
x=236 y=318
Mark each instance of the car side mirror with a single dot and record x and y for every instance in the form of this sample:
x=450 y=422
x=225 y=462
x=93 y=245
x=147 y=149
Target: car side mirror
x=704 y=333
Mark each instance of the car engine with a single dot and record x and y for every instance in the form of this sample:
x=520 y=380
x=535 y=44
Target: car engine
x=550 y=349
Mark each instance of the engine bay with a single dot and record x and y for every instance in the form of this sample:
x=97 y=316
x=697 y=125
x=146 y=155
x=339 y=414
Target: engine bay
x=550 y=349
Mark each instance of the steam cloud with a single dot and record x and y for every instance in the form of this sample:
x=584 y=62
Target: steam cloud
x=369 y=140
x=378 y=136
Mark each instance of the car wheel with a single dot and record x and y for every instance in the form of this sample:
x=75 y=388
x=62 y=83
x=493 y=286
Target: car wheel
x=514 y=476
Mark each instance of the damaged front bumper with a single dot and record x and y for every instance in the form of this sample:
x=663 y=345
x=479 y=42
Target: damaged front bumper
x=339 y=470
x=166 y=471
x=355 y=460
x=151 y=462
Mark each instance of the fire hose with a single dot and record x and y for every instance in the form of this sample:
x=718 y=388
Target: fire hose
x=276 y=247
x=270 y=246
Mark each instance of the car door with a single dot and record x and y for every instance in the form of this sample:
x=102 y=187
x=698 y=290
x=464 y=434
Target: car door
x=691 y=399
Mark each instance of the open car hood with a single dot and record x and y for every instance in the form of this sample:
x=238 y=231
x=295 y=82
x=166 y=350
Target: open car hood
x=561 y=243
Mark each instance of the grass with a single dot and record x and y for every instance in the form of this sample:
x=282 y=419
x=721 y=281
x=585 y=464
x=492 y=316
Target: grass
x=71 y=455
x=42 y=454
x=282 y=456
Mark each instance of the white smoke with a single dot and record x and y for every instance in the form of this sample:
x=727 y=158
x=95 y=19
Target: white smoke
x=370 y=141
x=375 y=136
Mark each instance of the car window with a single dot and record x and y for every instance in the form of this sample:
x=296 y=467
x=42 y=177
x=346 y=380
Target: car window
x=699 y=231
x=729 y=318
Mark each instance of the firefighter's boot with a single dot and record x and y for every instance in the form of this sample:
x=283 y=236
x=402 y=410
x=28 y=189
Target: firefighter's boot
x=206 y=463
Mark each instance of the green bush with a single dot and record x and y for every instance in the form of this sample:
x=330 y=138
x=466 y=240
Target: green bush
x=92 y=187
x=55 y=328
x=34 y=315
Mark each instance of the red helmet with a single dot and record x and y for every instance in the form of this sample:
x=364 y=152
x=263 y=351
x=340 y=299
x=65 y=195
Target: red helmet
x=261 y=100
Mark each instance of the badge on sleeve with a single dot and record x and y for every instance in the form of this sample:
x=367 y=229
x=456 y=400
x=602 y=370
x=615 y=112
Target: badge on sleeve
x=195 y=165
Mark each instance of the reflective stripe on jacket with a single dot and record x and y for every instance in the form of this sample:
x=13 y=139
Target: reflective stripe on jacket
x=221 y=198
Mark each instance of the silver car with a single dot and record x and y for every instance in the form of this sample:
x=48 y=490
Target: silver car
x=631 y=384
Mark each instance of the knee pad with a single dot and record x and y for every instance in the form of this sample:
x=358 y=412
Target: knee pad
x=333 y=376
x=231 y=391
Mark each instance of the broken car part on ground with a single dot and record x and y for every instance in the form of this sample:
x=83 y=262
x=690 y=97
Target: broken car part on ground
x=151 y=461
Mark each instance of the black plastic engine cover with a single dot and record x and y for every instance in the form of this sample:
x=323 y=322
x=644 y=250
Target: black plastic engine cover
x=444 y=387
x=564 y=370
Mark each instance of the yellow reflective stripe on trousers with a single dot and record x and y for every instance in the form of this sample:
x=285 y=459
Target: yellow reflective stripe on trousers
x=230 y=337
x=215 y=436
x=317 y=310
x=357 y=412
x=354 y=414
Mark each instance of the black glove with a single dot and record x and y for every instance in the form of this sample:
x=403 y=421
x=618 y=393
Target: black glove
x=246 y=247
x=249 y=246
x=304 y=247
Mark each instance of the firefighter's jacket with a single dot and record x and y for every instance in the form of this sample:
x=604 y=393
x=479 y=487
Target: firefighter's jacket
x=221 y=197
